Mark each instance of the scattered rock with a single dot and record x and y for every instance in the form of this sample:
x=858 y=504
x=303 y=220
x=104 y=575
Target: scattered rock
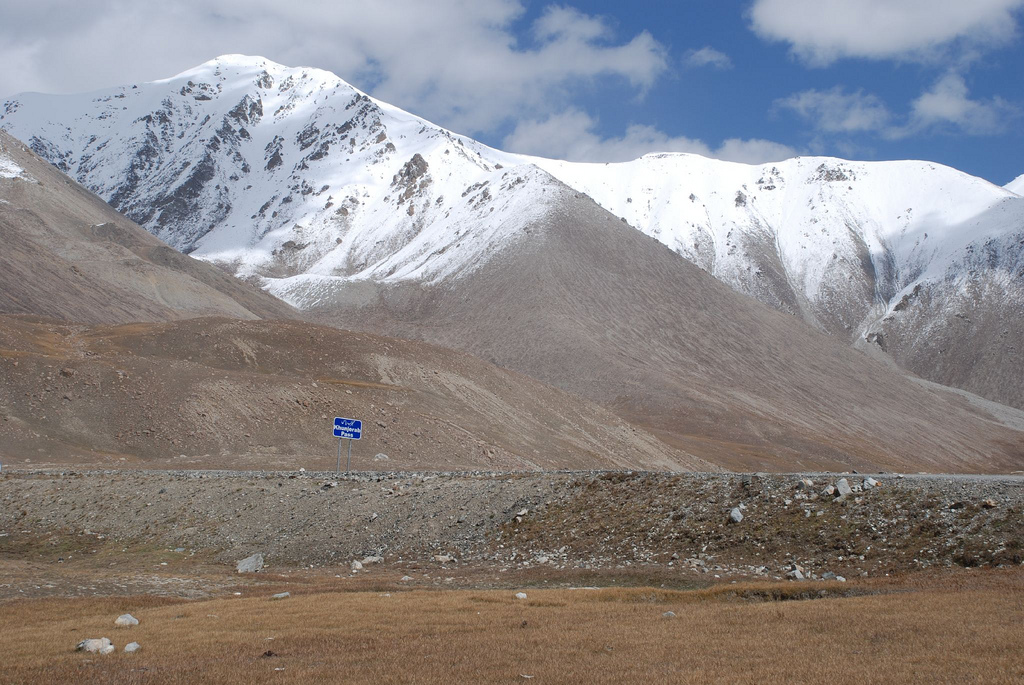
x=406 y=579
x=735 y=516
x=372 y=560
x=381 y=457
x=669 y=614
x=829 y=491
x=843 y=488
x=870 y=483
x=795 y=574
x=96 y=645
x=126 y=620
x=251 y=564
x=357 y=565
x=989 y=504
x=281 y=595
x=443 y=558
x=828 y=575
x=804 y=484
x=520 y=595
x=132 y=647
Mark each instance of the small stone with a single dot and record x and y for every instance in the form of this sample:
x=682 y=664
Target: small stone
x=357 y=566
x=795 y=574
x=669 y=614
x=870 y=483
x=829 y=491
x=251 y=564
x=828 y=575
x=520 y=595
x=989 y=504
x=443 y=558
x=372 y=560
x=735 y=516
x=126 y=621
x=843 y=488
x=132 y=647
x=406 y=579
x=281 y=595
x=804 y=484
x=841 y=579
x=96 y=645
x=381 y=457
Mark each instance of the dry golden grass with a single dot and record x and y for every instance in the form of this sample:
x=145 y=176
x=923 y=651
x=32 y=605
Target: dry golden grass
x=585 y=636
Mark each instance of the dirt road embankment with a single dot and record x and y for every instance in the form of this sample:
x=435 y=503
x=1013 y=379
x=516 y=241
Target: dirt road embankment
x=541 y=519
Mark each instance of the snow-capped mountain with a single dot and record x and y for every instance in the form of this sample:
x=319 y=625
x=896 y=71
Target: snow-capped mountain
x=1016 y=185
x=295 y=178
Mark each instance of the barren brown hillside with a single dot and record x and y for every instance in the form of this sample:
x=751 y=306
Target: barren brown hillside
x=68 y=255
x=219 y=393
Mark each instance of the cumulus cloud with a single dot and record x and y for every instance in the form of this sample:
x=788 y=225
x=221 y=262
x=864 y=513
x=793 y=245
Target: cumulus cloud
x=836 y=110
x=457 y=62
x=572 y=135
x=822 y=31
x=707 y=57
x=947 y=105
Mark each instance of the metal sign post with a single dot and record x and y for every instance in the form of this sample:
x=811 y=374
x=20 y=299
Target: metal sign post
x=352 y=429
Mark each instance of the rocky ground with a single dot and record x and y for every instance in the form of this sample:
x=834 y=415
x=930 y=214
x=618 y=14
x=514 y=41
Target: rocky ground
x=668 y=527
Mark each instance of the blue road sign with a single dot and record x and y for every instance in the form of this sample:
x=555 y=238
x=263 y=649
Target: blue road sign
x=348 y=428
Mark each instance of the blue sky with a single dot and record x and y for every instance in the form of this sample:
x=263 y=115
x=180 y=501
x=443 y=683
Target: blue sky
x=751 y=80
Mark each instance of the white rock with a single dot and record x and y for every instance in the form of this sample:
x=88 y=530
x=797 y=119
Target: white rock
x=870 y=483
x=406 y=579
x=100 y=645
x=843 y=488
x=829 y=491
x=372 y=560
x=132 y=647
x=735 y=516
x=251 y=564
x=381 y=457
x=281 y=595
x=357 y=565
x=669 y=614
x=126 y=620
x=795 y=574
x=443 y=558
x=520 y=595
x=804 y=484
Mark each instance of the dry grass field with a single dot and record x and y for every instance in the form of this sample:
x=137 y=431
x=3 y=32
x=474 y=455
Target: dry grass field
x=963 y=627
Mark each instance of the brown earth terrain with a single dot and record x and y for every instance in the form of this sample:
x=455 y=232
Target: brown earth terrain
x=220 y=393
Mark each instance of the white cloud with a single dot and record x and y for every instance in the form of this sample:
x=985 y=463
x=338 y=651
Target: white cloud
x=948 y=103
x=836 y=110
x=822 y=31
x=707 y=56
x=457 y=62
x=572 y=135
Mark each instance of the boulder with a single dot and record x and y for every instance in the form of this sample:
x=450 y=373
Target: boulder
x=126 y=621
x=281 y=595
x=100 y=645
x=132 y=647
x=804 y=484
x=357 y=566
x=381 y=457
x=372 y=560
x=843 y=488
x=669 y=614
x=829 y=490
x=443 y=558
x=795 y=574
x=520 y=595
x=251 y=564
x=735 y=516
x=870 y=483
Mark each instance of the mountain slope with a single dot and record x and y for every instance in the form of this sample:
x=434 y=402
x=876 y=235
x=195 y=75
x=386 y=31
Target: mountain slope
x=223 y=394
x=370 y=217
x=280 y=173
x=597 y=308
x=1016 y=185
x=920 y=259
x=68 y=255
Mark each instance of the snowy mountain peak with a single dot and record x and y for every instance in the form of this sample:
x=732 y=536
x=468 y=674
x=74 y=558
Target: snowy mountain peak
x=1016 y=185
